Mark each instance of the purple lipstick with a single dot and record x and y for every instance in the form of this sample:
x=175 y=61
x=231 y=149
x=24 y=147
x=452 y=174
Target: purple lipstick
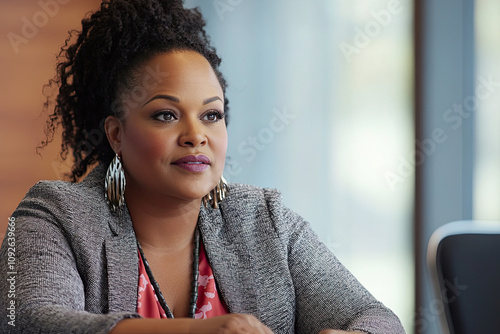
x=192 y=163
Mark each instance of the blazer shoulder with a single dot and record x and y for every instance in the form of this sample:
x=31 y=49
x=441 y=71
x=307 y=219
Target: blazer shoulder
x=239 y=192
x=255 y=205
x=65 y=191
x=64 y=203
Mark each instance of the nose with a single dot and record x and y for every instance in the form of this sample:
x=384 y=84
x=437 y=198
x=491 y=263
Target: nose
x=192 y=134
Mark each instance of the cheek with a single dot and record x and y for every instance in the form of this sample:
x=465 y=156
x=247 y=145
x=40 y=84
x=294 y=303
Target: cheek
x=221 y=144
x=220 y=149
x=145 y=144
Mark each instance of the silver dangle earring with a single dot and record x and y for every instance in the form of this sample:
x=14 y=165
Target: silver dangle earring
x=216 y=195
x=114 y=185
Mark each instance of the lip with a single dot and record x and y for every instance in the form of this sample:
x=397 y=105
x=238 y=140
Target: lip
x=193 y=163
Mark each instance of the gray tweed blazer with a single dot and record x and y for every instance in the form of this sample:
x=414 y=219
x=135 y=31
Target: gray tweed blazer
x=75 y=265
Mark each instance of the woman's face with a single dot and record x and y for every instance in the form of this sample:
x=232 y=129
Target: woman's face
x=173 y=139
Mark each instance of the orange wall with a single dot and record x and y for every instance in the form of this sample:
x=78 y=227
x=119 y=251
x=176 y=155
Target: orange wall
x=23 y=72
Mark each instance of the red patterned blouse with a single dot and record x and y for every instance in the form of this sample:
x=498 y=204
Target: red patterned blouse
x=208 y=305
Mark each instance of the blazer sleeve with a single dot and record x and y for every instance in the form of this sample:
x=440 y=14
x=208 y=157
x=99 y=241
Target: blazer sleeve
x=327 y=294
x=45 y=286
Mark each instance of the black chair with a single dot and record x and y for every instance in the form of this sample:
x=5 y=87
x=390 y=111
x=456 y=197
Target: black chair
x=464 y=261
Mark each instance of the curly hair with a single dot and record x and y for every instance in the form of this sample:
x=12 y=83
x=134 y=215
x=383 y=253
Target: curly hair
x=98 y=68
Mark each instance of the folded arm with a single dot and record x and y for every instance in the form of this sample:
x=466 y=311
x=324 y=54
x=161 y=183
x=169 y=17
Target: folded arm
x=328 y=296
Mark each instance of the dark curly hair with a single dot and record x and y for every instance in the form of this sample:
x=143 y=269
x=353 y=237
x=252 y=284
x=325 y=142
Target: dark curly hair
x=95 y=71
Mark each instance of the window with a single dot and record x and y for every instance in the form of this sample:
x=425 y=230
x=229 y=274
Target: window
x=487 y=116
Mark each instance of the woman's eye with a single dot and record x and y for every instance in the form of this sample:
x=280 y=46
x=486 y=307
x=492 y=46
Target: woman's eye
x=213 y=116
x=164 y=116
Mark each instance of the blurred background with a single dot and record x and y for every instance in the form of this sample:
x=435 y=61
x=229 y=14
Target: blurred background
x=376 y=119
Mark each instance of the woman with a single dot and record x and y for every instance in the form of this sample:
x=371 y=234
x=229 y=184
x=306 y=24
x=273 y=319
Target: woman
x=153 y=231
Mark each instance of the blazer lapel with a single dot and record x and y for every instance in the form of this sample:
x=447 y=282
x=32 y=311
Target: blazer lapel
x=230 y=262
x=122 y=265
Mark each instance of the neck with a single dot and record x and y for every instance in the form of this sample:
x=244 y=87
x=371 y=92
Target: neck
x=163 y=225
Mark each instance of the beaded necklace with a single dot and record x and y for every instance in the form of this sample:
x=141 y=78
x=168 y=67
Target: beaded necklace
x=194 y=283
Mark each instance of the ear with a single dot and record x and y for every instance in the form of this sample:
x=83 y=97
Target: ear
x=114 y=129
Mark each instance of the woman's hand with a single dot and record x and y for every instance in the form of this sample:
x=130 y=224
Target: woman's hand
x=224 y=324
x=229 y=324
x=334 y=331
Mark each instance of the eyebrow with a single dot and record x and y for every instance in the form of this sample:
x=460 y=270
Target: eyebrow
x=165 y=97
x=176 y=100
x=212 y=99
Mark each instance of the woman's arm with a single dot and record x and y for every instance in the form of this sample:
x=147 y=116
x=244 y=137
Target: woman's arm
x=327 y=294
x=49 y=290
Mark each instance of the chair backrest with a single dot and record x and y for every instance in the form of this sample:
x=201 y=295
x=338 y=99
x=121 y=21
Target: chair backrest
x=464 y=261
